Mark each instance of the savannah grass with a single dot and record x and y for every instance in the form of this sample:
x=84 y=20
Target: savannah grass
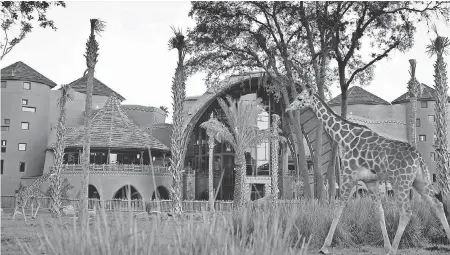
x=290 y=228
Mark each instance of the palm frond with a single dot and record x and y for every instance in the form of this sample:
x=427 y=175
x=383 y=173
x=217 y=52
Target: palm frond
x=178 y=40
x=221 y=131
x=98 y=26
x=438 y=46
x=66 y=94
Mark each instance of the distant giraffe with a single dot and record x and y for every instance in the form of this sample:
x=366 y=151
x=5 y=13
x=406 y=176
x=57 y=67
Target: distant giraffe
x=28 y=193
x=371 y=158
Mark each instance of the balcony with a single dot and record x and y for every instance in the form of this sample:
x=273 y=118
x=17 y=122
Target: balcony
x=115 y=168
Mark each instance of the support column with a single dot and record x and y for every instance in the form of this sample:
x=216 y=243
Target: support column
x=80 y=155
x=108 y=160
x=141 y=159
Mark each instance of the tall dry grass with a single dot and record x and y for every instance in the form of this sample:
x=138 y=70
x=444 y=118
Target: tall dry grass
x=259 y=230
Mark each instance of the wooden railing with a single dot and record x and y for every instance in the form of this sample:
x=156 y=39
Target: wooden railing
x=116 y=168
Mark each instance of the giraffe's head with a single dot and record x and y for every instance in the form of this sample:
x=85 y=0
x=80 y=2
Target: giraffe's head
x=303 y=100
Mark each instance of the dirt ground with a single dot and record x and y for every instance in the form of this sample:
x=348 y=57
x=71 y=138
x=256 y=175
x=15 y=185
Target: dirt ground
x=28 y=233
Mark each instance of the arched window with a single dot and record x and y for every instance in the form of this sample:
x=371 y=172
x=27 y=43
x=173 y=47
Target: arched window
x=92 y=192
x=122 y=193
x=163 y=193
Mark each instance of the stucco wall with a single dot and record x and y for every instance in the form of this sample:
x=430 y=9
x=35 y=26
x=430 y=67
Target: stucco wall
x=35 y=137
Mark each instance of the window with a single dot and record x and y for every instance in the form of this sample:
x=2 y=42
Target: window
x=22 y=167
x=417 y=122
x=28 y=109
x=434 y=177
x=24 y=101
x=3 y=146
x=3 y=149
x=5 y=128
x=25 y=125
x=27 y=85
x=422 y=138
x=3 y=84
x=22 y=146
x=432 y=155
x=423 y=104
x=7 y=121
x=3 y=142
x=2 y=165
x=431 y=118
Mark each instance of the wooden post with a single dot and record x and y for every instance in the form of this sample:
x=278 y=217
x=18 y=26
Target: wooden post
x=108 y=161
x=142 y=157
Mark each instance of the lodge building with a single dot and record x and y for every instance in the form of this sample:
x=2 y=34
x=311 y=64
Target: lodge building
x=127 y=140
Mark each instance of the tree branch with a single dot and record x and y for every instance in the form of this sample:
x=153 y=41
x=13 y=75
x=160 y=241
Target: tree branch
x=379 y=57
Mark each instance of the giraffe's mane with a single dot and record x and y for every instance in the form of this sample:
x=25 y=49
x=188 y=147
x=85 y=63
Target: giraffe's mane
x=339 y=116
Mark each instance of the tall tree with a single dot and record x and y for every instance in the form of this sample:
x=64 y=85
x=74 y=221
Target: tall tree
x=440 y=47
x=178 y=142
x=55 y=180
x=238 y=37
x=383 y=26
x=211 y=143
x=97 y=26
x=275 y=147
x=238 y=128
x=20 y=16
x=414 y=91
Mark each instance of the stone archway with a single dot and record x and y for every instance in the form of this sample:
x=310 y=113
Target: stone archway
x=163 y=193
x=122 y=193
x=237 y=86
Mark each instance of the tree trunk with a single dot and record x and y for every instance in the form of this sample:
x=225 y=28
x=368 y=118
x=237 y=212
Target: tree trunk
x=157 y=197
x=211 y=172
x=240 y=191
x=412 y=128
x=441 y=110
x=274 y=153
x=55 y=181
x=318 y=163
x=331 y=177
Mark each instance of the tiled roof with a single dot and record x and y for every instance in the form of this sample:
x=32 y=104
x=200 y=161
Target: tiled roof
x=112 y=128
x=100 y=89
x=358 y=95
x=21 y=71
x=428 y=93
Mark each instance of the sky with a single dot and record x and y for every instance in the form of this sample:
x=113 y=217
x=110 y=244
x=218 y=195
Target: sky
x=135 y=60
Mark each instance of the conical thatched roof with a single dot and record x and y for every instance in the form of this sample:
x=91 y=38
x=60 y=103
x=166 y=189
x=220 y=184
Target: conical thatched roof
x=112 y=128
x=428 y=94
x=99 y=88
x=21 y=71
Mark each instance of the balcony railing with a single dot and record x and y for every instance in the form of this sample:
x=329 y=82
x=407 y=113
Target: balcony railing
x=116 y=168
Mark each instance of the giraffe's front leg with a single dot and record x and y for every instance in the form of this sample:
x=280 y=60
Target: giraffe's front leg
x=37 y=209
x=347 y=185
x=23 y=212
x=405 y=215
x=374 y=188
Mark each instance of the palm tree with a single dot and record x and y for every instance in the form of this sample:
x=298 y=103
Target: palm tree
x=97 y=26
x=211 y=144
x=414 y=91
x=165 y=109
x=55 y=180
x=439 y=47
x=240 y=130
x=178 y=142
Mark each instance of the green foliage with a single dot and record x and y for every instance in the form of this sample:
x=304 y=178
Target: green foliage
x=23 y=14
x=65 y=187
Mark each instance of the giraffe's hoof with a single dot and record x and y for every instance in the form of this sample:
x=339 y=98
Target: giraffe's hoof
x=324 y=250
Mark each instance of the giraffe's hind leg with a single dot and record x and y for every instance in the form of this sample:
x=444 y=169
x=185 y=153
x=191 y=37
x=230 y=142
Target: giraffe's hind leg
x=37 y=209
x=402 y=196
x=423 y=187
x=376 y=196
x=347 y=185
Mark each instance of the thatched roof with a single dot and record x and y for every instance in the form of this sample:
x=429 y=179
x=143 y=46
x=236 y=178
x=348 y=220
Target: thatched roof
x=99 y=89
x=21 y=71
x=112 y=128
x=428 y=94
x=358 y=95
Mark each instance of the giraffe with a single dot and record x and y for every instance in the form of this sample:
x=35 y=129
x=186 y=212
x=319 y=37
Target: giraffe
x=371 y=158
x=28 y=193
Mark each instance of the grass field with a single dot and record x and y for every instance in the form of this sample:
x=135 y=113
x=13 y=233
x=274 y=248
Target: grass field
x=257 y=231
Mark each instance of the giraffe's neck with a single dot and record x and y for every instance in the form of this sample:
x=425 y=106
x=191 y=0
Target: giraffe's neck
x=336 y=126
